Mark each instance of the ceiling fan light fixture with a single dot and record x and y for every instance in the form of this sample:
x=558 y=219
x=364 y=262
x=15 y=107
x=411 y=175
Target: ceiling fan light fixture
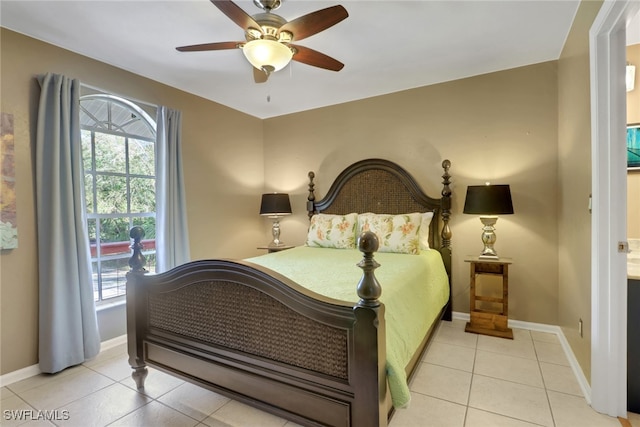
x=267 y=54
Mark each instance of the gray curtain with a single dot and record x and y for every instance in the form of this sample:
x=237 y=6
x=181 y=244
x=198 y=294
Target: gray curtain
x=68 y=328
x=172 y=238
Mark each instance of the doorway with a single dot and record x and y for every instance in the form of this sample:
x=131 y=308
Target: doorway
x=608 y=275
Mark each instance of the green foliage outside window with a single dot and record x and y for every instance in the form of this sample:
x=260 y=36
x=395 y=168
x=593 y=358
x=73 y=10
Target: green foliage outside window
x=118 y=190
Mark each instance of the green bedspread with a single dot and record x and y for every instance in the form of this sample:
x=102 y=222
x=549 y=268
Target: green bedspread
x=414 y=290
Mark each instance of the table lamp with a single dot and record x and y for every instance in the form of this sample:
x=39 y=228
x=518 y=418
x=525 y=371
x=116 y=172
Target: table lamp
x=488 y=201
x=275 y=205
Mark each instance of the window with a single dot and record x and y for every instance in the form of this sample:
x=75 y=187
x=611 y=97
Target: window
x=118 y=151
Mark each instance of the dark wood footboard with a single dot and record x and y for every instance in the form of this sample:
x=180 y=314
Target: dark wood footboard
x=255 y=336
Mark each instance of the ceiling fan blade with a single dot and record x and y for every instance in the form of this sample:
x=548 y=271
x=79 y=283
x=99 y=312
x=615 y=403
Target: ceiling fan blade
x=236 y=14
x=209 y=46
x=315 y=58
x=259 y=76
x=314 y=22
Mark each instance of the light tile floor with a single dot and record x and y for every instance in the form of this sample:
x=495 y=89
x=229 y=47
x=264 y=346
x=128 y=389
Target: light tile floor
x=463 y=380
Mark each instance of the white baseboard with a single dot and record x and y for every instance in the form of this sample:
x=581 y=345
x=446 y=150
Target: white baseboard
x=541 y=327
x=114 y=342
x=19 y=375
x=33 y=370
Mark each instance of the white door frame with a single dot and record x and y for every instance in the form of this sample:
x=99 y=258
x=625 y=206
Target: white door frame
x=609 y=214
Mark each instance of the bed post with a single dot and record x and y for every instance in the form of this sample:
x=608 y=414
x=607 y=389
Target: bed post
x=369 y=376
x=311 y=198
x=135 y=313
x=446 y=204
x=445 y=242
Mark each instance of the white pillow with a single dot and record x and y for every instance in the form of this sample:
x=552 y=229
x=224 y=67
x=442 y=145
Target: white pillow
x=424 y=230
x=332 y=231
x=396 y=233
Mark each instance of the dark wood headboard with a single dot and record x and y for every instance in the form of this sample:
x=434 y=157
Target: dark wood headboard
x=383 y=187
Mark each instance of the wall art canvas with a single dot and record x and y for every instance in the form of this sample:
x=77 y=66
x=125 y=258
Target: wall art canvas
x=8 y=217
x=633 y=146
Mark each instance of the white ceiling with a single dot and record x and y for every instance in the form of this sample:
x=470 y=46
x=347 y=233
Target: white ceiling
x=386 y=46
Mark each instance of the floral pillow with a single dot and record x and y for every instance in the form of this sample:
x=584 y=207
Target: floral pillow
x=333 y=231
x=424 y=230
x=396 y=233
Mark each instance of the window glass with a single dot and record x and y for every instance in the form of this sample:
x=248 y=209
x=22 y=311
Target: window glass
x=140 y=190
x=110 y=153
x=118 y=155
x=142 y=157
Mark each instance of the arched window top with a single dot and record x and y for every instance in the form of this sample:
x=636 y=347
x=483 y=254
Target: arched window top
x=112 y=114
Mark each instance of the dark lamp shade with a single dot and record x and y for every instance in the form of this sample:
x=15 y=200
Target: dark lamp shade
x=488 y=200
x=275 y=204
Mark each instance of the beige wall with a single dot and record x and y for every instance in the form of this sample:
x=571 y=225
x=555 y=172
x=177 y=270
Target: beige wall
x=633 y=177
x=222 y=196
x=500 y=127
x=574 y=186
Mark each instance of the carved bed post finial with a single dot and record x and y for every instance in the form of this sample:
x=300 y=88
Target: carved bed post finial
x=369 y=290
x=137 y=260
x=311 y=198
x=446 y=205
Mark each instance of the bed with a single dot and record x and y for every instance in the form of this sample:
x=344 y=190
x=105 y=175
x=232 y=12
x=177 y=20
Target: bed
x=257 y=335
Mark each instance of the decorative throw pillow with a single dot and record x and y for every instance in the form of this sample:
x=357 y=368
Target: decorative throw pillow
x=396 y=233
x=424 y=230
x=333 y=231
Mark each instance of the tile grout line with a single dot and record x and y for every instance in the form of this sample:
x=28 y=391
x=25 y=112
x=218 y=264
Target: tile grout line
x=67 y=376
x=473 y=369
x=544 y=383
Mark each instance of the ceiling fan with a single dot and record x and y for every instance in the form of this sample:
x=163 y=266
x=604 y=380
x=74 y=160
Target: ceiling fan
x=268 y=46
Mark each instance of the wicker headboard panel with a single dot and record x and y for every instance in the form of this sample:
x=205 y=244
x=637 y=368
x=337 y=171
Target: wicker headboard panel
x=381 y=186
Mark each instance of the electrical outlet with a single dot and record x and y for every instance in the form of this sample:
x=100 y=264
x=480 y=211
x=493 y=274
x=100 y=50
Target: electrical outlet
x=580 y=328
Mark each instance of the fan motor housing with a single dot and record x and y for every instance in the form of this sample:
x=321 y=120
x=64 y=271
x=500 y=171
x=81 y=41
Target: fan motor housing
x=270 y=23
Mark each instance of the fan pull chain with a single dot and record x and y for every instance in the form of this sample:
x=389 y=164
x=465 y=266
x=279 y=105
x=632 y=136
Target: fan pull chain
x=268 y=90
x=269 y=83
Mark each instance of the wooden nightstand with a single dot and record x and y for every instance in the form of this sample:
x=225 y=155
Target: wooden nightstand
x=271 y=249
x=489 y=321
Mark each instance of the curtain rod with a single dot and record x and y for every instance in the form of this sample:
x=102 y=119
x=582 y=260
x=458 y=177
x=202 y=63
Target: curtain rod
x=137 y=101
